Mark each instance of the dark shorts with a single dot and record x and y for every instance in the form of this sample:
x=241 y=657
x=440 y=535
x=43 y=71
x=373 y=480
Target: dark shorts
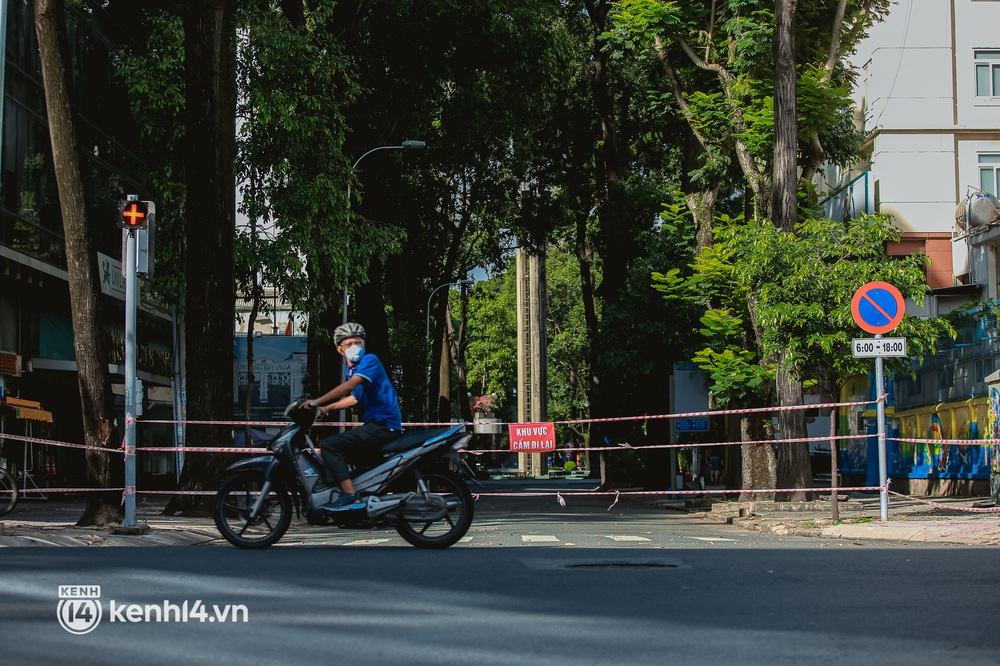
x=359 y=445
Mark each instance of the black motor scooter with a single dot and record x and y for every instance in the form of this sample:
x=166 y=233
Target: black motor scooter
x=417 y=485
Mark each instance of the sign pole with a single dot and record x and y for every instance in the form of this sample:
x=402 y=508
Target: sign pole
x=131 y=299
x=882 y=463
x=878 y=307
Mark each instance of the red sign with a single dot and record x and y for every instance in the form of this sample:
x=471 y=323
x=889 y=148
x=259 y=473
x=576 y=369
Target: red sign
x=532 y=437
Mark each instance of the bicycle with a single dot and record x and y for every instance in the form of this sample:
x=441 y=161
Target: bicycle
x=8 y=492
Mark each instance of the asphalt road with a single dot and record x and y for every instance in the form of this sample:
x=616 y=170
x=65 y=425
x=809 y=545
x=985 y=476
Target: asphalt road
x=695 y=593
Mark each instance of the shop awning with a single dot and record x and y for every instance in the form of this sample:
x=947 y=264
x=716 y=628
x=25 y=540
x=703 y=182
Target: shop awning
x=27 y=409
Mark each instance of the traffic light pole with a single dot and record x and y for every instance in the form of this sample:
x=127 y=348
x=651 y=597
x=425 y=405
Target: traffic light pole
x=131 y=301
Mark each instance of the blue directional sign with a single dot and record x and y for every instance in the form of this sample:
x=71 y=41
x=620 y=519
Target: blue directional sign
x=877 y=307
x=692 y=425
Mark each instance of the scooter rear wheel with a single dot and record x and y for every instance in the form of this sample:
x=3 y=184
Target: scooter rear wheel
x=446 y=531
x=233 y=505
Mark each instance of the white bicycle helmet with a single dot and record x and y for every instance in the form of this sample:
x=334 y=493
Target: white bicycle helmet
x=349 y=330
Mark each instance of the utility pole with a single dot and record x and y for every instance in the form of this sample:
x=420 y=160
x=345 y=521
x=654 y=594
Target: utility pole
x=531 y=351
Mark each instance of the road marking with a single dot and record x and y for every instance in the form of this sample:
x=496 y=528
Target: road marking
x=709 y=538
x=618 y=537
x=538 y=538
x=366 y=542
x=465 y=540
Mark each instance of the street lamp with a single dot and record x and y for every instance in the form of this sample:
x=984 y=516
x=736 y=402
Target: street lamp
x=409 y=144
x=427 y=338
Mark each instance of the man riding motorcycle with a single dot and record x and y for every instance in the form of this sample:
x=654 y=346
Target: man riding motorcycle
x=369 y=387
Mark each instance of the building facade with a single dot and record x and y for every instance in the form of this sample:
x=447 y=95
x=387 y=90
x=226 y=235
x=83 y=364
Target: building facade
x=928 y=97
x=37 y=357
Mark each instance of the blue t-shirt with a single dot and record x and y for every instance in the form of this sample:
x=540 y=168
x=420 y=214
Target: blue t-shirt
x=376 y=395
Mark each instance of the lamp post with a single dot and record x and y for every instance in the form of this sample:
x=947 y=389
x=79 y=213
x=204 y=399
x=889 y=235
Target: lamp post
x=409 y=144
x=427 y=337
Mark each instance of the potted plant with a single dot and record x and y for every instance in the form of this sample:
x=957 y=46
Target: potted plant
x=484 y=405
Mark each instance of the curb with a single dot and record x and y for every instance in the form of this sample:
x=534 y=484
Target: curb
x=923 y=527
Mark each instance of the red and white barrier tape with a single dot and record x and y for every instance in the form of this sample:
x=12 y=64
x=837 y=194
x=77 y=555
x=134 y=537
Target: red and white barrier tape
x=52 y=442
x=213 y=449
x=960 y=442
x=203 y=449
x=644 y=417
x=67 y=490
x=706 y=491
x=560 y=495
x=629 y=447
x=236 y=423
x=724 y=412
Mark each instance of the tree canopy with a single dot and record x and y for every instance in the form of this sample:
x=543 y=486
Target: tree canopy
x=625 y=139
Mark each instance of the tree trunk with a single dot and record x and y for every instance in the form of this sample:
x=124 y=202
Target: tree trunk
x=456 y=346
x=784 y=206
x=442 y=401
x=585 y=259
x=758 y=459
x=702 y=207
x=606 y=176
x=793 y=457
x=211 y=211
x=89 y=341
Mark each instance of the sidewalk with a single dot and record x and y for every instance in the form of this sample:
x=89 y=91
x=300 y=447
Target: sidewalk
x=53 y=523
x=909 y=521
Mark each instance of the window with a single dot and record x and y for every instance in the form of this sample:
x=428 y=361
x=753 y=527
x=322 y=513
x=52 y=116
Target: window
x=987 y=73
x=989 y=172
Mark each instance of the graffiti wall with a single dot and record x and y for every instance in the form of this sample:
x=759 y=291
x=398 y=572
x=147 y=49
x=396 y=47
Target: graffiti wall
x=977 y=418
x=969 y=419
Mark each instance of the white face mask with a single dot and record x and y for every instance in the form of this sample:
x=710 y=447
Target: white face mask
x=354 y=354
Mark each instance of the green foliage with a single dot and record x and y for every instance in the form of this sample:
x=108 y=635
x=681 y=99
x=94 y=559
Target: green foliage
x=153 y=74
x=490 y=361
x=735 y=373
x=568 y=347
x=799 y=288
x=722 y=58
x=294 y=83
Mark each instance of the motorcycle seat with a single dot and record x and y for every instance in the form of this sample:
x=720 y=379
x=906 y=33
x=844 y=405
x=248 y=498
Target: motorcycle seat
x=410 y=440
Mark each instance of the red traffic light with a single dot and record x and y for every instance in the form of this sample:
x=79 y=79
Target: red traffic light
x=132 y=214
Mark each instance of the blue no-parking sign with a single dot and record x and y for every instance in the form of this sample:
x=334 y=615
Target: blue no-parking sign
x=877 y=307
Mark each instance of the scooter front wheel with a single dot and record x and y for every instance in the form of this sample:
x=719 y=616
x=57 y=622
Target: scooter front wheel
x=236 y=519
x=8 y=492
